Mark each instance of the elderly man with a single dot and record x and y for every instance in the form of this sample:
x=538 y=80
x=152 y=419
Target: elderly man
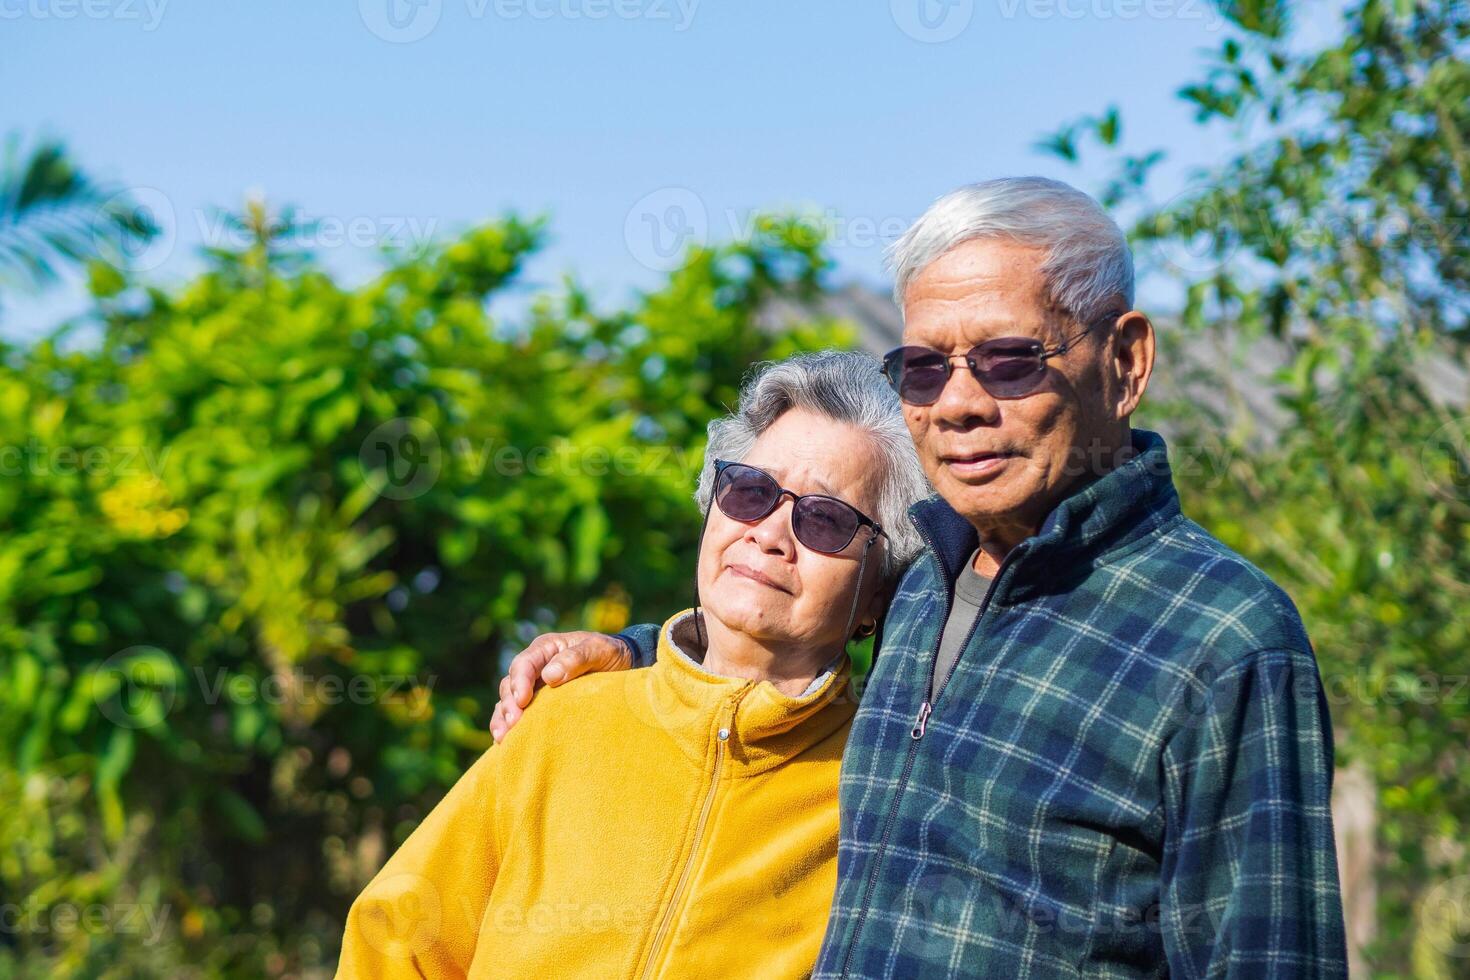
x=1095 y=741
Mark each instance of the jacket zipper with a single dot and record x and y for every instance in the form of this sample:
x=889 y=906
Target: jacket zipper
x=915 y=734
x=931 y=693
x=725 y=733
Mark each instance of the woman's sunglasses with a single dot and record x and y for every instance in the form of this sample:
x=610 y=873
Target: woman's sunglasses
x=1007 y=367
x=825 y=524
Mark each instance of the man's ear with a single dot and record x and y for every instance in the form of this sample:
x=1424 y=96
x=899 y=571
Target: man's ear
x=1132 y=361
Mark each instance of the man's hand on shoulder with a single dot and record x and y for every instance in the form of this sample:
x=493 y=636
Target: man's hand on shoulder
x=553 y=659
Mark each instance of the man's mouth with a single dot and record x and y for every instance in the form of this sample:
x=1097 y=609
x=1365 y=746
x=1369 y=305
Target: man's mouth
x=976 y=464
x=745 y=571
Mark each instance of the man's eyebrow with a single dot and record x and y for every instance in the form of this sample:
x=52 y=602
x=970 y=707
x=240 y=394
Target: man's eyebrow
x=975 y=332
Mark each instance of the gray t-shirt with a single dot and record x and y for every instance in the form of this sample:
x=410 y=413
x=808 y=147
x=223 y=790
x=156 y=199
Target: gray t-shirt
x=969 y=602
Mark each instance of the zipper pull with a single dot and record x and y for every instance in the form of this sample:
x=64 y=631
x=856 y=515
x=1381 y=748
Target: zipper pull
x=921 y=722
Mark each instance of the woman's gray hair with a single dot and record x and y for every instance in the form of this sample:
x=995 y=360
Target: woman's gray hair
x=1087 y=263
x=845 y=387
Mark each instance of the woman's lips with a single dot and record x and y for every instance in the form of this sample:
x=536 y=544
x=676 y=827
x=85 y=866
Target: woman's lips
x=977 y=465
x=745 y=571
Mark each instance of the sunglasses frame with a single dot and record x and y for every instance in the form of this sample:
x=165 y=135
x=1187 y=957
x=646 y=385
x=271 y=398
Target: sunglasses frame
x=1042 y=354
x=721 y=465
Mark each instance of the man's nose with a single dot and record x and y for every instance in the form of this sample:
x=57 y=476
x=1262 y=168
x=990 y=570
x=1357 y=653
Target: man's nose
x=964 y=400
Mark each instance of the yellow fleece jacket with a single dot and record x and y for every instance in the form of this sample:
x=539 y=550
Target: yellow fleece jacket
x=666 y=822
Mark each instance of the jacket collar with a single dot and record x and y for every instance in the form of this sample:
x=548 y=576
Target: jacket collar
x=766 y=727
x=1107 y=515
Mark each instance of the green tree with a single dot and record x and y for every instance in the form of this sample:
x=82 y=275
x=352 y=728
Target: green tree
x=269 y=538
x=53 y=215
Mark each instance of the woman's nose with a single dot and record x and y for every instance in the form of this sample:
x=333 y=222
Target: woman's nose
x=772 y=533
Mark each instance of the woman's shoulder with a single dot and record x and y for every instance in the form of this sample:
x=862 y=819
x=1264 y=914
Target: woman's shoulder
x=585 y=707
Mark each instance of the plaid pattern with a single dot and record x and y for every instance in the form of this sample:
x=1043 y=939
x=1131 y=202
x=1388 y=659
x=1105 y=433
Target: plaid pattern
x=1127 y=775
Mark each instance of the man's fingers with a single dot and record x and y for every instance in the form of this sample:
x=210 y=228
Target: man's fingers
x=512 y=714
x=519 y=685
x=501 y=720
x=562 y=667
x=588 y=653
x=523 y=674
x=552 y=659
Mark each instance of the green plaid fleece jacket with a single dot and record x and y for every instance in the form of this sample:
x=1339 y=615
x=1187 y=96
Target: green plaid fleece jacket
x=1126 y=774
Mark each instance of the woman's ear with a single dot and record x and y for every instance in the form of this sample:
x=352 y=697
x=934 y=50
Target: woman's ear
x=873 y=612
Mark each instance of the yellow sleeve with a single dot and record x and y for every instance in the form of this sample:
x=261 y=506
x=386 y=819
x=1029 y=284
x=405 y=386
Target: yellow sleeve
x=420 y=915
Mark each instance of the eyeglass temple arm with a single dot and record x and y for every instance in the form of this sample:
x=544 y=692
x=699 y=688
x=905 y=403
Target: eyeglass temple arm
x=1066 y=345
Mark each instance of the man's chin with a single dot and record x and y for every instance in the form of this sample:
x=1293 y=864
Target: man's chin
x=990 y=504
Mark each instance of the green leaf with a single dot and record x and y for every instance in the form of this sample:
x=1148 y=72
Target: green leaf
x=589 y=533
x=104 y=280
x=240 y=816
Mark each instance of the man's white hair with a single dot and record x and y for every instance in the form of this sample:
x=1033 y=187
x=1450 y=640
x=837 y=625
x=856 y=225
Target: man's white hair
x=1087 y=263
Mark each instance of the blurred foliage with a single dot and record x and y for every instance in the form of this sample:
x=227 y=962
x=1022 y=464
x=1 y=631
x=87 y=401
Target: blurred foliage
x=268 y=540
x=54 y=216
x=1343 y=232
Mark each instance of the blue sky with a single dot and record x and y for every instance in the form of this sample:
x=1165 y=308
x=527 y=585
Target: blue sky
x=618 y=118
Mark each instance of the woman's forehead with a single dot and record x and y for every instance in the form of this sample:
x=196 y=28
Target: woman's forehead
x=835 y=458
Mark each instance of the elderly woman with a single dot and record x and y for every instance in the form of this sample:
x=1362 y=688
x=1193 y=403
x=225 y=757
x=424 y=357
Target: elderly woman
x=720 y=761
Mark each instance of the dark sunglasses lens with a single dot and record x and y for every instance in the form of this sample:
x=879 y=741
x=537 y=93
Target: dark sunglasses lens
x=918 y=374
x=823 y=524
x=1010 y=367
x=746 y=494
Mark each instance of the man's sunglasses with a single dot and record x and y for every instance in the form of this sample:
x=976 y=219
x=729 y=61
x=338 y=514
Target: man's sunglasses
x=1007 y=367
x=822 y=523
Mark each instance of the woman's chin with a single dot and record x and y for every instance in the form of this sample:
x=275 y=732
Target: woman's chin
x=745 y=614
